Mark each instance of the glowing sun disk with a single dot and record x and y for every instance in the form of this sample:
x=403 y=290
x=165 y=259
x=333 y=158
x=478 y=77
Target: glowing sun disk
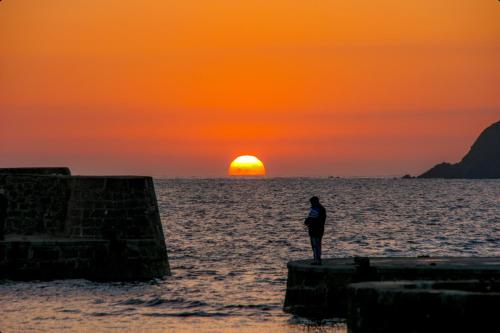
x=247 y=165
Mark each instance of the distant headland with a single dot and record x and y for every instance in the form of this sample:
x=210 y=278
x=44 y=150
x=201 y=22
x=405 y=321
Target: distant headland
x=482 y=161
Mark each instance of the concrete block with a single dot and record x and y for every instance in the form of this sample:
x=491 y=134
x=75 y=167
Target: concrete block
x=77 y=226
x=322 y=291
x=45 y=253
x=424 y=307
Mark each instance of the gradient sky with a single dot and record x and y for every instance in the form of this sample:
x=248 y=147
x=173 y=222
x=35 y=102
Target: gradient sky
x=180 y=88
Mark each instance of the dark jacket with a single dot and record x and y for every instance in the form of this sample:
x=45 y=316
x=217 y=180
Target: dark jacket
x=315 y=221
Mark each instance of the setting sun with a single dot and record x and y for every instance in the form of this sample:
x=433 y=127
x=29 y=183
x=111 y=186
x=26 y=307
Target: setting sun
x=247 y=165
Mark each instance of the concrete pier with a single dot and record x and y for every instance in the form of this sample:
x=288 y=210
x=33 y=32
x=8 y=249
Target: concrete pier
x=322 y=291
x=96 y=227
x=29 y=258
x=424 y=307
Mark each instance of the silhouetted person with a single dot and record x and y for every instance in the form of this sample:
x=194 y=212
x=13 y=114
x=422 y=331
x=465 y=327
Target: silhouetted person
x=315 y=222
x=3 y=213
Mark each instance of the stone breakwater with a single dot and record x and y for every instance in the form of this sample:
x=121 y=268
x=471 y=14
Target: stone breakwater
x=424 y=307
x=323 y=291
x=96 y=227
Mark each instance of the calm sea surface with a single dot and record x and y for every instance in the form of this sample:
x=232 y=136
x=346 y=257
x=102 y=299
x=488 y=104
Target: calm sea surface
x=229 y=241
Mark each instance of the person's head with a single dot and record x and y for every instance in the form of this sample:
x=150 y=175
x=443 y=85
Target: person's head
x=2 y=191
x=314 y=201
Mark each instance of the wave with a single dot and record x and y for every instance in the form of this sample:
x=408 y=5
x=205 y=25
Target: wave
x=188 y=314
x=263 y=307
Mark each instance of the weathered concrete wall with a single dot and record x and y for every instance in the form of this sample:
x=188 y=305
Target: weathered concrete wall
x=322 y=291
x=102 y=207
x=49 y=171
x=82 y=226
x=37 y=204
x=424 y=307
x=97 y=259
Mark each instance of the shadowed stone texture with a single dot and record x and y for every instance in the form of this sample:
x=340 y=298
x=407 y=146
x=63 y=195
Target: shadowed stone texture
x=94 y=259
x=95 y=227
x=51 y=171
x=322 y=291
x=37 y=204
x=100 y=207
x=424 y=307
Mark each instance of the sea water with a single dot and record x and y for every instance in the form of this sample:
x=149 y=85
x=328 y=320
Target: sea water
x=229 y=241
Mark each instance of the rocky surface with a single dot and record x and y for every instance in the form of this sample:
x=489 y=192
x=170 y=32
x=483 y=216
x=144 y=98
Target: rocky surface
x=482 y=161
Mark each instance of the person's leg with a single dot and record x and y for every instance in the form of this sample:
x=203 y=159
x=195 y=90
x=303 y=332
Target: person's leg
x=316 y=245
x=319 y=249
x=313 y=247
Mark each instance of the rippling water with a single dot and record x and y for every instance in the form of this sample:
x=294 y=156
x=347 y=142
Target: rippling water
x=229 y=241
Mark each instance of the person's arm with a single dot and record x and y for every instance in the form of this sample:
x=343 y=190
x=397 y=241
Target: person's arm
x=312 y=217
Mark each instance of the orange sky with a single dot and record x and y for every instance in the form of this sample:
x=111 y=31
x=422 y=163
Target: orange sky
x=180 y=88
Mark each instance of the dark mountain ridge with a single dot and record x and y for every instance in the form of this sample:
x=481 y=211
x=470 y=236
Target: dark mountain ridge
x=482 y=160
